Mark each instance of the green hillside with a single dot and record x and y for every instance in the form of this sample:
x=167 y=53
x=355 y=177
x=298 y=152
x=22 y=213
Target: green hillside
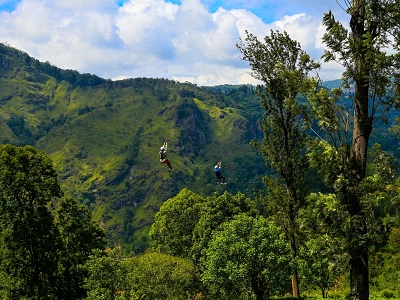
x=104 y=137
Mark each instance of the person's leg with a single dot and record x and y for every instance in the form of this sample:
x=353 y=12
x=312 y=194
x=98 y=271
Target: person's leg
x=169 y=164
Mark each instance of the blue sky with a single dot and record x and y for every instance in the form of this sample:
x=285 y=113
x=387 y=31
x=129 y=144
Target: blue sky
x=8 y=5
x=185 y=40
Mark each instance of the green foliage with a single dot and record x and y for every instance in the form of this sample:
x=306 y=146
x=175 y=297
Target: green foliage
x=371 y=71
x=247 y=256
x=172 y=230
x=29 y=239
x=366 y=43
x=157 y=276
x=331 y=112
x=41 y=257
x=216 y=210
x=322 y=263
x=394 y=239
x=79 y=236
x=11 y=57
x=384 y=273
x=103 y=137
x=106 y=278
x=330 y=210
x=149 y=276
x=327 y=215
x=331 y=164
x=283 y=67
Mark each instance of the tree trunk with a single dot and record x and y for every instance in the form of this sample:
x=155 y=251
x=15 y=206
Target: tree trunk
x=295 y=278
x=293 y=240
x=359 y=273
x=361 y=132
x=359 y=283
x=359 y=279
x=293 y=246
x=295 y=285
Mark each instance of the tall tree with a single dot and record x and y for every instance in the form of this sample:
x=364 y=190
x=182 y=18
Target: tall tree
x=284 y=69
x=247 y=256
x=80 y=236
x=216 y=210
x=374 y=74
x=172 y=230
x=29 y=239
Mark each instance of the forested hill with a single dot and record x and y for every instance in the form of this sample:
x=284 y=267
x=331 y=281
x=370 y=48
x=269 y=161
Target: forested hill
x=104 y=136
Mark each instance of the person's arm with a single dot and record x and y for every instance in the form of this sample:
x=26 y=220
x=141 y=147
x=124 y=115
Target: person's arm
x=165 y=145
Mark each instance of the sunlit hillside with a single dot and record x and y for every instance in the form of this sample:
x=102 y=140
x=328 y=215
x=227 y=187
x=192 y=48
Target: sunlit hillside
x=104 y=137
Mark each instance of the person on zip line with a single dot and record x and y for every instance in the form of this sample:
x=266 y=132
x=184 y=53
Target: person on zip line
x=217 y=171
x=163 y=155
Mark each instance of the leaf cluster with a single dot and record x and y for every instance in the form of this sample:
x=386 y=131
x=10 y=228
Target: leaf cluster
x=42 y=250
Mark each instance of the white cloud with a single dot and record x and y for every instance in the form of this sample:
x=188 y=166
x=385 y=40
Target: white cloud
x=141 y=20
x=87 y=4
x=248 y=21
x=331 y=71
x=149 y=38
x=34 y=27
x=302 y=28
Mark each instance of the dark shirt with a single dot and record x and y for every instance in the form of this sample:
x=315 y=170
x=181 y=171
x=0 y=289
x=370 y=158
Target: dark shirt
x=163 y=154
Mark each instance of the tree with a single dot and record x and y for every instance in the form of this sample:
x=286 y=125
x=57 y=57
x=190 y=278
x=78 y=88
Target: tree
x=373 y=73
x=79 y=236
x=29 y=238
x=154 y=276
x=284 y=69
x=214 y=211
x=326 y=213
x=247 y=256
x=172 y=230
x=106 y=278
x=321 y=263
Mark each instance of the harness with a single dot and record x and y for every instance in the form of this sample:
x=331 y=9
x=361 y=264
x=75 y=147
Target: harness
x=163 y=155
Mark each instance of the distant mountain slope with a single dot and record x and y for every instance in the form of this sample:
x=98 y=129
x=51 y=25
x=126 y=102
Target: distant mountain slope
x=104 y=137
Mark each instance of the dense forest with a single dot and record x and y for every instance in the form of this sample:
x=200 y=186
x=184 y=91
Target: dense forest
x=310 y=209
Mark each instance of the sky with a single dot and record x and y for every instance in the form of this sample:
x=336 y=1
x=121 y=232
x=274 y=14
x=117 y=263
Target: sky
x=183 y=40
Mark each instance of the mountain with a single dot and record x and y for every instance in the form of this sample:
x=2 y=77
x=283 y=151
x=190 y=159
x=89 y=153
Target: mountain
x=104 y=136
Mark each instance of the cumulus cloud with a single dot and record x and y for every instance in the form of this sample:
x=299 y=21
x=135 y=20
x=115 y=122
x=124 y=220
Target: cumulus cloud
x=182 y=40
